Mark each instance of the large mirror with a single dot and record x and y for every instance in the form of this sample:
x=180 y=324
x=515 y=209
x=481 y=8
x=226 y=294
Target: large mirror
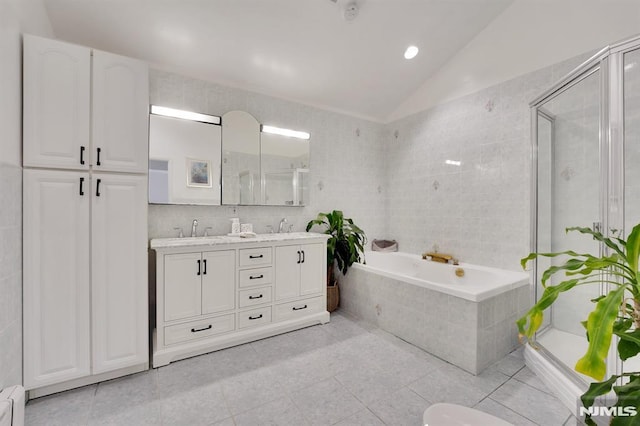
x=234 y=160
x=184 y=157
x=240 y=159
x=284 y=164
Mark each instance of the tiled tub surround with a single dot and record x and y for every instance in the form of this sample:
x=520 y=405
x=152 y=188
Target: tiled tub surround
x=471 y=325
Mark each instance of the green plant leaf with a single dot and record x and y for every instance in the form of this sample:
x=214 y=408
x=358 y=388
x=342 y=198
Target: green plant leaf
x=633 y=249
x=532 y=256
x=628 y=396
x=597 y=389
x=600 y=328
x=535 y=315
x=599 y=237
x=629 y=344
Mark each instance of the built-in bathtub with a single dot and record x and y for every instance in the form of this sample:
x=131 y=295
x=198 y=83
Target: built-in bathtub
x=468 y=321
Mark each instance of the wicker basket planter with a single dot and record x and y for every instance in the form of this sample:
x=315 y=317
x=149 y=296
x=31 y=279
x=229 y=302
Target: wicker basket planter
x=333 y=297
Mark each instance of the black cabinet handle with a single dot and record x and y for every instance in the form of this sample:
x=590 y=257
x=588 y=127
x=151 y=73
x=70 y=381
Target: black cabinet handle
x=98 y=187
x=198 y=267
x=98 y=158
x=299 y=258
x=256 y=277
x=195 y=330
x=298 y=309
x=205 y=267
x=302 y=256
x=256 y=257
x=255 y=297
x=81 y=183
x=82 y=155
x=255 y=318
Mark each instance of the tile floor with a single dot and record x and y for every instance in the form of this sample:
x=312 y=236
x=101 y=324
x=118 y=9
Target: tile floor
x=345 y=373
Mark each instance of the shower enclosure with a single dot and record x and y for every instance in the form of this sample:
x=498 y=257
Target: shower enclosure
x=586 y=172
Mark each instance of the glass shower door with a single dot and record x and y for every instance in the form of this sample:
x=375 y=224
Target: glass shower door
x=631 y=108
x=568 y=194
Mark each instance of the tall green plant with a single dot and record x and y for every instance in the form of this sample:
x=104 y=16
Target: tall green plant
x=346 y=245
x=615 y=313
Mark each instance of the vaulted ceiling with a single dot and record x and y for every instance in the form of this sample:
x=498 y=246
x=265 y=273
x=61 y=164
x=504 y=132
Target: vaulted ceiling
x=301 y=50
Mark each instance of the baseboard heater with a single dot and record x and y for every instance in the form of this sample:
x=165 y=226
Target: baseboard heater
x=12 y=406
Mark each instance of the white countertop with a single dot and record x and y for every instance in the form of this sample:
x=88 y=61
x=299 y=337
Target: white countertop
x=224 y=239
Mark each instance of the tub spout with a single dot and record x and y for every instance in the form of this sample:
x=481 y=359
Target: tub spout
x=437 y=257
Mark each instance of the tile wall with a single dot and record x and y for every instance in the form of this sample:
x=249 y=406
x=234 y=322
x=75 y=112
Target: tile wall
x=347 y=160
x=10 y=199
x=478 y=210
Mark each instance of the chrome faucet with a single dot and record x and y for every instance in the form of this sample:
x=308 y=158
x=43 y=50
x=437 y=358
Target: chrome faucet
x=281 y=226
x=194 y=227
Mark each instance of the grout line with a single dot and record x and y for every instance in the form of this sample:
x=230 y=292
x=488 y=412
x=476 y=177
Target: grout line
x=513 y=411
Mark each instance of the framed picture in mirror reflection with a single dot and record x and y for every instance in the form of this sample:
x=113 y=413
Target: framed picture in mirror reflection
x=199 y=173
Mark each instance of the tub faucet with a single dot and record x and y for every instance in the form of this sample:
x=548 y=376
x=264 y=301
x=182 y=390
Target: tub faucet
x=437 y=257
x=194 y=227
x=281 y=226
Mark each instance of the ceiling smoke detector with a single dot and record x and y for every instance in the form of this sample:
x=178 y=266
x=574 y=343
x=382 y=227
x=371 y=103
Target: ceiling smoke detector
x=351 y=12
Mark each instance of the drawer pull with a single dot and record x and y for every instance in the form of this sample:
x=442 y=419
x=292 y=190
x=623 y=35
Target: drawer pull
x=300 y=308
x=260 y=256
x=195 y=330
x=255 y=318
x=256 y=277
x=255 y=297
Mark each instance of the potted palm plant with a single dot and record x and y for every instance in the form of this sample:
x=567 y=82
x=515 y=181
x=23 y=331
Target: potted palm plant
x=615 y=313
x=344 y=248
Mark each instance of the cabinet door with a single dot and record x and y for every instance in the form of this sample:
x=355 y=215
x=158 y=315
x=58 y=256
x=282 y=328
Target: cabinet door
x=218 y=281
x=313 y=269
x=119 y=271
x=120 y=114
x=287 y=272
x=56 y=104
x=182 y=286
x=56 y=277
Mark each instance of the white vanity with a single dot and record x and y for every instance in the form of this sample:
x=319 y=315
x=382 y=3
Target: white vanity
x=217 y=292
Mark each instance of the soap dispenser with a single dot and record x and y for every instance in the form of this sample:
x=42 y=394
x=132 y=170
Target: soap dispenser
x=235 y=225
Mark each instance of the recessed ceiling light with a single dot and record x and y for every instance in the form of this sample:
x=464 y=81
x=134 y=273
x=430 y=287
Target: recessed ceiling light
x=411 y=52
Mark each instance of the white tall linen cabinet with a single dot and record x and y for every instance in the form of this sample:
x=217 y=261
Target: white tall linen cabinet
x=85 y=158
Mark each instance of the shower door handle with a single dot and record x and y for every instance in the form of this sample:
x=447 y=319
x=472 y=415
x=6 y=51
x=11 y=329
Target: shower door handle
x=597 y=227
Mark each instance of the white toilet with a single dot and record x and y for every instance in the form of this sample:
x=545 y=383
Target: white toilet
x=443 y=414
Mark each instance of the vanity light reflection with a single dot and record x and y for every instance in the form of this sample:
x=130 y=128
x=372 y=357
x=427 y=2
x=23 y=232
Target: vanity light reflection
x=186 y=115
x=285 y=132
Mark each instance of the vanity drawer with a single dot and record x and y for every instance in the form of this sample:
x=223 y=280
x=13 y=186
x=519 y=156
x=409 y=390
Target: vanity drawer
x=255 y=257
x=254 y=317
x=300 y=308
x=254 y=296
x=253 y=277
x=198 y=329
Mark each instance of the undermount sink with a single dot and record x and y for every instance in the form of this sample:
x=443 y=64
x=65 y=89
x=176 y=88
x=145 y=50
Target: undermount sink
x=225 y=239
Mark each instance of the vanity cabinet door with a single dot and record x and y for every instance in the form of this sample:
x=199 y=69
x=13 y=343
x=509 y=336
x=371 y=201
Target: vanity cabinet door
x=218 y=281
x=312 y=269
x=182 y=286
x=56 y=277
x=56 y=106
x=120 y=113
x=287 y=281
x=119 y=271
